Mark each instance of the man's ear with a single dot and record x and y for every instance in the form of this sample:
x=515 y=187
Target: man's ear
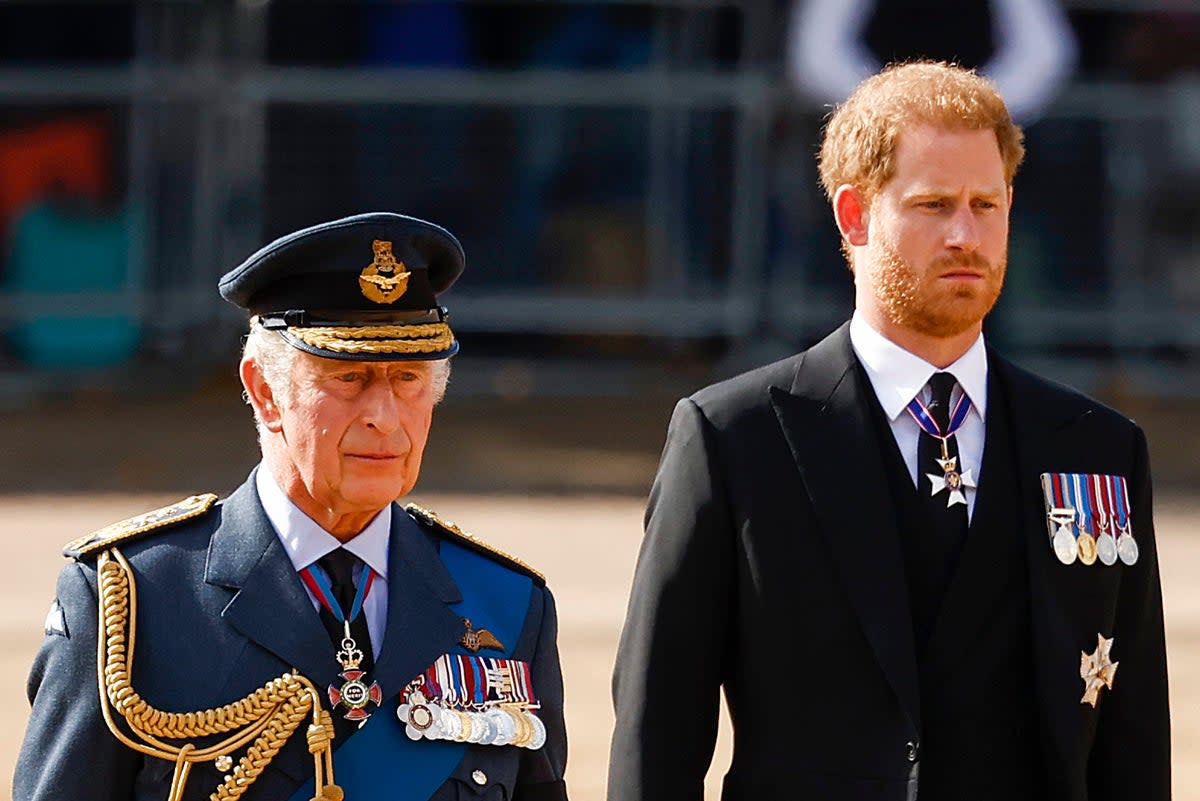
x=850 y=211
x=259 y=393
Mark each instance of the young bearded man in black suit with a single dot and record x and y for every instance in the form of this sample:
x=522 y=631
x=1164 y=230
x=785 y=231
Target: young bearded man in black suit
x=912 y=566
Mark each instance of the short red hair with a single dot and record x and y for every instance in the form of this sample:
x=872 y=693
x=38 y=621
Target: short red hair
x=859 y=146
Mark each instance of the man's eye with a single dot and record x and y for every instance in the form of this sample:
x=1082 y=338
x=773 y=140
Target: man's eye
x=348 y=378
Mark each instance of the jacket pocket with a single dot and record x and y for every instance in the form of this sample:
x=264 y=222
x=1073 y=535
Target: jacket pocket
x=486 y=773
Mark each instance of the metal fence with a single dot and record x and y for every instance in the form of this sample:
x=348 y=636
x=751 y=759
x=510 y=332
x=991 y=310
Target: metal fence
x=670 y=201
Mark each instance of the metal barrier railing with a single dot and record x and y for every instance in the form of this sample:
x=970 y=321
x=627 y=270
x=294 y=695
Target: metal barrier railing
x=229 y=147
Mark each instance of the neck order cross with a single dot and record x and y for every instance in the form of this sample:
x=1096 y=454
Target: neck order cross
x=941 y=424
x=341 y=612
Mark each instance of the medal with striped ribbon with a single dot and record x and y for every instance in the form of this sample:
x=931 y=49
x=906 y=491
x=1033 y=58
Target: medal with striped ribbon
x=354 y=693
x=473 y=699
x=951 y=479
x=1088 y=518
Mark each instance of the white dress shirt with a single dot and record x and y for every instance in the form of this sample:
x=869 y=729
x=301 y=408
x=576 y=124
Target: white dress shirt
x=306 y=542
x=898 y=376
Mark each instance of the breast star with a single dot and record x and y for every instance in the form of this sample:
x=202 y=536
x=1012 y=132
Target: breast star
x=1097 y=669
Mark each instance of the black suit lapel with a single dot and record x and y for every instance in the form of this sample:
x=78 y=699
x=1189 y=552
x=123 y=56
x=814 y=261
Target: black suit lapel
x=831 y=438
x=1063 y=596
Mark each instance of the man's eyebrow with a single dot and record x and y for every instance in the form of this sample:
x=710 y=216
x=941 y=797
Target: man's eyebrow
x=336 y=367
x=941 y=191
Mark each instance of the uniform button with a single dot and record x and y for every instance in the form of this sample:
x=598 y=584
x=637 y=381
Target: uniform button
x=911 y=750
x=479 y=777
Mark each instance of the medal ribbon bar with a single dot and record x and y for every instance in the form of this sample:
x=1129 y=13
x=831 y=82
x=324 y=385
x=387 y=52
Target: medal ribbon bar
x=457 y=699
x=1088 y=518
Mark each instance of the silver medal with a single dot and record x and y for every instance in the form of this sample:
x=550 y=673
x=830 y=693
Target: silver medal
x=486 y=726
x=447 y=720
x=1127 y=548
x=451 y=724
x=1106 y=549
x=1065 y=547
x=506 y=727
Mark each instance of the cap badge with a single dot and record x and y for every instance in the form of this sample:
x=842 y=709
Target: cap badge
x=384 y=279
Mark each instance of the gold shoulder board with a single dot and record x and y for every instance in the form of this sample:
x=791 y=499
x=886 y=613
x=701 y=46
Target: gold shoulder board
x=445 y=526
x=136 y=526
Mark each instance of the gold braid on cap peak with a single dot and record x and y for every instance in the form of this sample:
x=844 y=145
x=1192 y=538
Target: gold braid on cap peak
x=425 y=338
x=265 y=719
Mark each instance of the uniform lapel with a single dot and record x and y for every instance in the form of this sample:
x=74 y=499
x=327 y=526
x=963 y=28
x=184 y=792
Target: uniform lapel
x=825 y=422
x=270 y=606
x=245 y=555
x=420 y=624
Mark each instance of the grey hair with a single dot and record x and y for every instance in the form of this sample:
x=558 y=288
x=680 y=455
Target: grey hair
x=275 y=356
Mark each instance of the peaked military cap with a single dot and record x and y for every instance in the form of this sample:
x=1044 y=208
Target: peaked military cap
x=363 y=288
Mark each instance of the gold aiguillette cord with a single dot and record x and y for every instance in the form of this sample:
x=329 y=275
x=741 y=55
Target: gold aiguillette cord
x=265 y=719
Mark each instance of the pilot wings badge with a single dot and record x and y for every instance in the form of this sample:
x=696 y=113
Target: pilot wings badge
x=473 y=640
x=384 y=280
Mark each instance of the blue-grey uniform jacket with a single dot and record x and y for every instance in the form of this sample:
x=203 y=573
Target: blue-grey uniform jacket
x=221 y=611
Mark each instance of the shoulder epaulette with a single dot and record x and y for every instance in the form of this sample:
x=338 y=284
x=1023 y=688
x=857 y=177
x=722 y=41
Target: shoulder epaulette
x=472 y=542
x=136 y=526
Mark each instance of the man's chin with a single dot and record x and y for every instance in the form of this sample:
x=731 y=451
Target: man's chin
x=950 y=328
x=377 y=495
x=959 y=315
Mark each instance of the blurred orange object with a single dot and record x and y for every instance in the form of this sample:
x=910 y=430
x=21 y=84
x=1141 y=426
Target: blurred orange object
x=70 y=155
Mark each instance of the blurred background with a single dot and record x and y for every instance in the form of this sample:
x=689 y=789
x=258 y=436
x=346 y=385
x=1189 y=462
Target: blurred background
x=635 y=187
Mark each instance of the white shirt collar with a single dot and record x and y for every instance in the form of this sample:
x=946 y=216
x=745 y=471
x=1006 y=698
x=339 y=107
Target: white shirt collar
x=898 y=376
x=306 y=542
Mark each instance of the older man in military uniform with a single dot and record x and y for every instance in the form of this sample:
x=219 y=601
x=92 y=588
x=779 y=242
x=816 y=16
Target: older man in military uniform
x=307 y=636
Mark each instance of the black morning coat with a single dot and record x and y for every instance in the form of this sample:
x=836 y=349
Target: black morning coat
x=772 y=568
x=221 y=611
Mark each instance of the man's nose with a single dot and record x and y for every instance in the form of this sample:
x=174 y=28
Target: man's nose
x=381 y=410
x=963 y=232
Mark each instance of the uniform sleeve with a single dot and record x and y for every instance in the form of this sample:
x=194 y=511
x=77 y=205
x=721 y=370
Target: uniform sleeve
x=1131 y=755
x=68 y=750
x=671 y=660
x=541 y=773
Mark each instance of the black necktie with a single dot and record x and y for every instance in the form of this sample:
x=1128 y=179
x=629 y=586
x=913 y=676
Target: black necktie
x=949 y=523
x=339 y=565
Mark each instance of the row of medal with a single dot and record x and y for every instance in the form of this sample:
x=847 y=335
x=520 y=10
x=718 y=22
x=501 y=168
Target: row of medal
x=1088 y=518
x=473 y=699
